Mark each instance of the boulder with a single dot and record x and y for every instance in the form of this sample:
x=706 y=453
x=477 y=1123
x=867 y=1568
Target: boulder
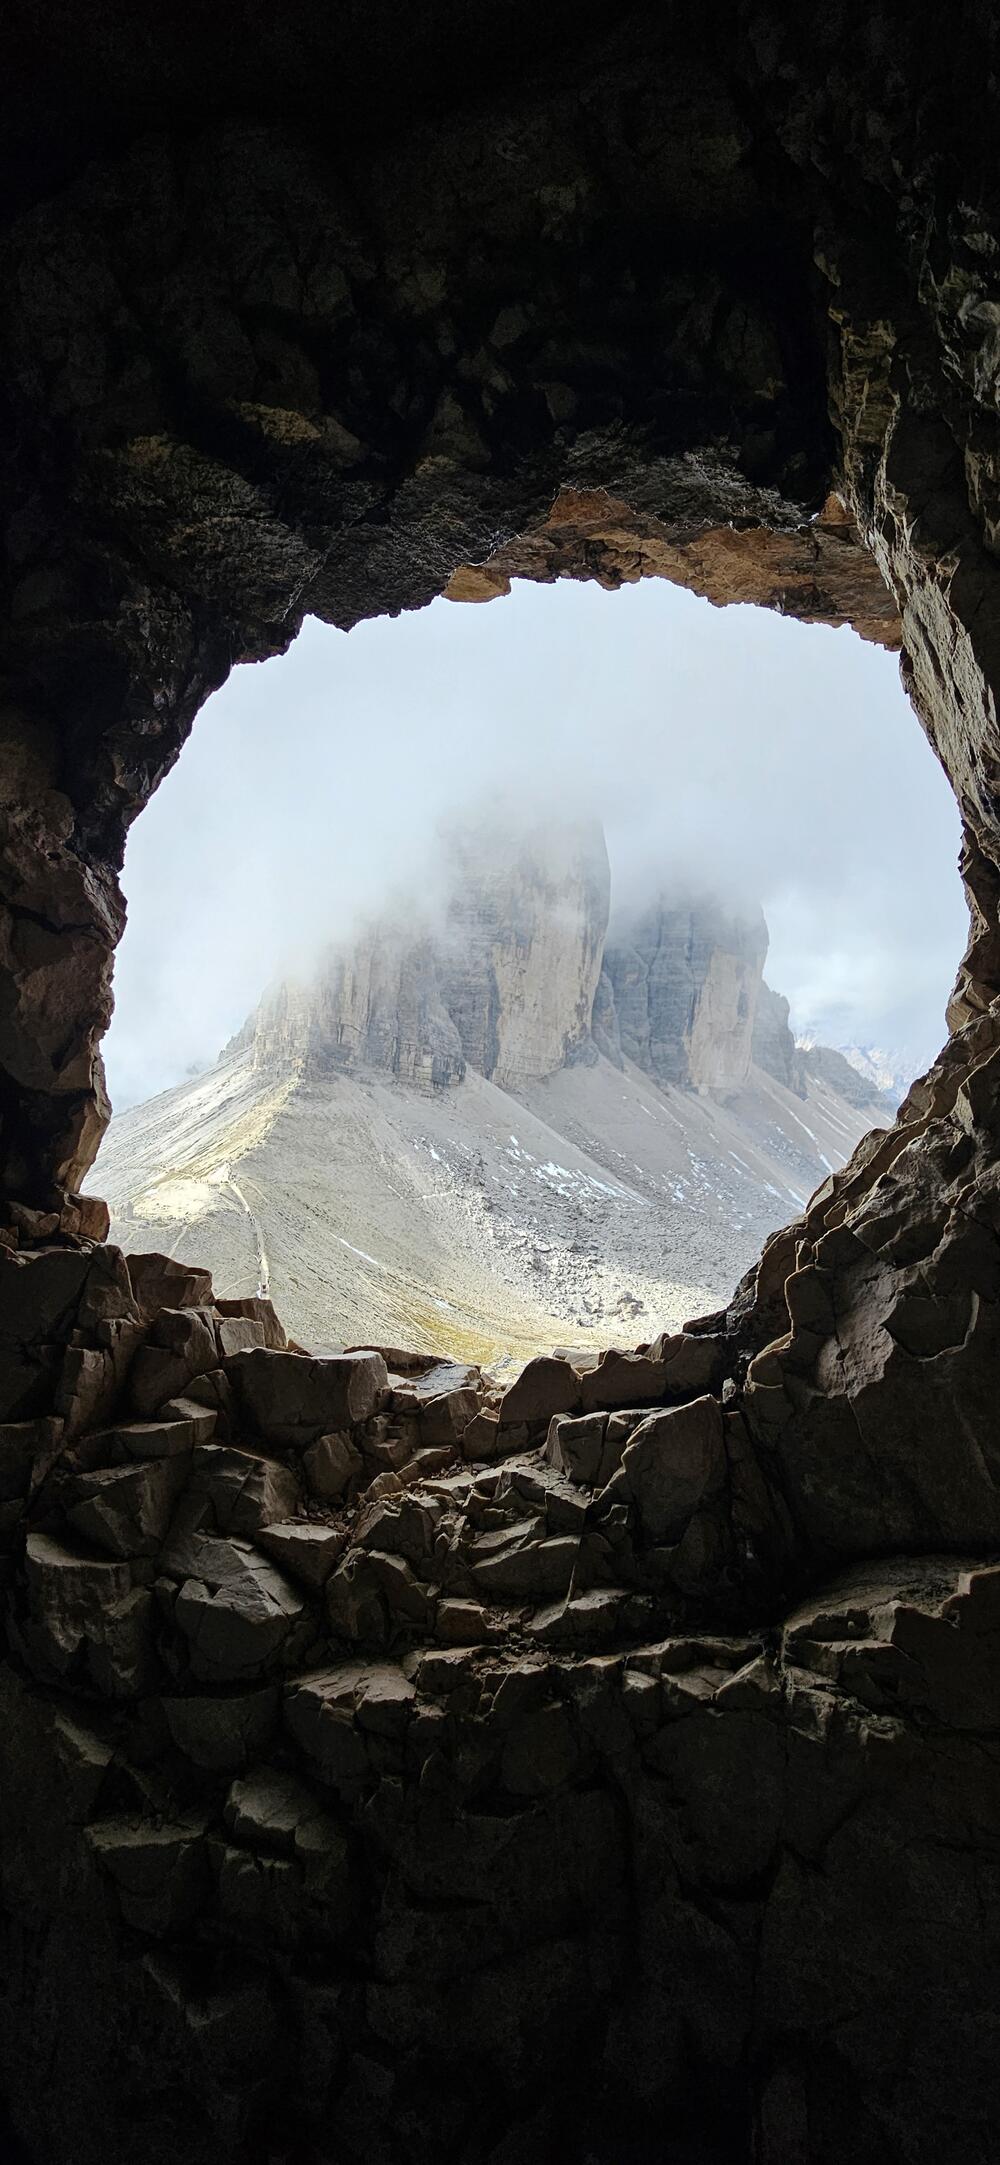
x=482 y=1440
x=675 y=1463
x=238 y=1334
x=237 y=1614
x=244 y=1492
x=159 y=1282
x=535 y=1571
x=444 y=1420
x=330 y=1465
x=159 y=1869
x=319 y=1712
x=693 y=1363
x=589 y=1620
x=576 y=1447
x=86 y=1619
x=332 y=1714
x=622 y=1379
x=371 y=1595
x=304 y=1548
x=462 y=1623
x=181 y=1346
x=89 y=1385
x=275 y=1813
x=291 y=1398
x=180 y=1426
x=546 y=1386
x=403 y=1528
x=126 y=1510
x=257 y=1309
x=85 y=1217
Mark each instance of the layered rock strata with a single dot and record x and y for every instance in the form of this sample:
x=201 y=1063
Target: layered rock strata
x=522 y=977
x=680 y=993
x=504 y=982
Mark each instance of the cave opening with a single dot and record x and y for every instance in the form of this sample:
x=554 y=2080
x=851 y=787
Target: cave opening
x=603 y=1765
x=494 y=1051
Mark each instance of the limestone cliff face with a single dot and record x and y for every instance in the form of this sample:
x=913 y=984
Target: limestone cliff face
x=522 y=955
x=775 y=1050
x=827 y=1065
x=506 y=985
x=518 y=980
x=774 y=1047
x=380 y=1005
x=679 y=993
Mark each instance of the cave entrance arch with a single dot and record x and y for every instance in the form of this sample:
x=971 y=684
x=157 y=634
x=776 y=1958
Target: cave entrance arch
x=246 y=429
x=257 y=399
x=428 y=1145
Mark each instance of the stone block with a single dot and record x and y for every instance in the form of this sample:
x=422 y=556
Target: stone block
x=291 y=1398
x=331 y=1465
x=622 y=1379
x=675 y=1463
x=575 y=1446
x=159 y=1282
x=546 y=1386
x=126 y=1510
x=305 y=1548
x=244 y=1491
x=238 y=1615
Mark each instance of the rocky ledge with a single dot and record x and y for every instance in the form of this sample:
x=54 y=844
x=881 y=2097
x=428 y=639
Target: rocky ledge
x=420 y=1770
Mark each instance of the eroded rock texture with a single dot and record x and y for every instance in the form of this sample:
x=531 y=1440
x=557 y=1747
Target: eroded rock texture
x=560 y=1809
x=495 y=970
x=680 y=993
x=399 y=1769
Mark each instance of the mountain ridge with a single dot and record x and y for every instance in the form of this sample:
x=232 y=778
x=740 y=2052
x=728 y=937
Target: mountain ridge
x=494 y=1127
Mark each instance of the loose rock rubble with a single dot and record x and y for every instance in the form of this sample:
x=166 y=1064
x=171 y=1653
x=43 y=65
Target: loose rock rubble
x=377 y=1735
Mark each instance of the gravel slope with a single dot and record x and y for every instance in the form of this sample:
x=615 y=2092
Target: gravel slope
x=592 y=1207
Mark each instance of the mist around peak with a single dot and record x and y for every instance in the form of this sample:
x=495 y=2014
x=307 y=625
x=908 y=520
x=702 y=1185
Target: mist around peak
x=729 y=753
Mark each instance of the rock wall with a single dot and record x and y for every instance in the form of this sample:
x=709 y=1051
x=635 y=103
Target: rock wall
x=521 y=954
x=773 y=1045
x=775 y=1050
x=504 y=983
x=365 y=303
x=520 y=981
x=680 y=992
x=395 y=1766
x=382 y=1004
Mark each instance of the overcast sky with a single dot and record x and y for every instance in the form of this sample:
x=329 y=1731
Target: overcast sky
x=732 y=748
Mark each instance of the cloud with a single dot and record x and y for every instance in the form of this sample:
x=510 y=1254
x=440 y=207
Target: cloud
x=729 y=748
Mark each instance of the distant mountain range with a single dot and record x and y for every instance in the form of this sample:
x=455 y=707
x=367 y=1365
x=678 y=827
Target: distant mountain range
x=499 y=1127
x=889 y=1070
